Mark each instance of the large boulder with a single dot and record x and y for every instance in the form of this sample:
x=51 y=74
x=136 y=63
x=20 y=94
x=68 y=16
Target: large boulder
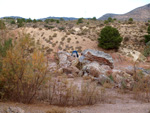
x=123 y=79
x=63 y=59
x=67 y=63
x=66 y=60
x=102 y=58
x=95 y=69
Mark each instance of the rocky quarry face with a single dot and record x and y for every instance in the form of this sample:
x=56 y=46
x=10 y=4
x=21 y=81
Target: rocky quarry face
x=97 y=65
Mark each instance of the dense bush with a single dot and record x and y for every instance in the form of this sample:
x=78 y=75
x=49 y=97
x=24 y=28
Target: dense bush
x=148 y=30
x=106 y=22
x=13 y=22
x=109 y=38
x=29 y=20
x=147 y=37
x=80 y=20
x=130 y=21
x=146 y=52
x=57 y=21
x=4 y=46
x=20 y=24
x=2 y=25
x=94 y=18
x=23 y=71
x=110 y=19
x=34 y=21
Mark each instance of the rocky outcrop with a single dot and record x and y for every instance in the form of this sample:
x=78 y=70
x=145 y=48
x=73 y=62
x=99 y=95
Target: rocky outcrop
x=122 y=79
x=96 y=64
x=15 y=110
x=95 y=69
x=67 y=63
x=102 y=58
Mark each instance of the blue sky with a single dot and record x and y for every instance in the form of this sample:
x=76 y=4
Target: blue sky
x=66 y=8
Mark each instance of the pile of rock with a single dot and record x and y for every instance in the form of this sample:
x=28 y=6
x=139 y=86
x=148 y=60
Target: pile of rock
x=95 y=64
x=67 y=64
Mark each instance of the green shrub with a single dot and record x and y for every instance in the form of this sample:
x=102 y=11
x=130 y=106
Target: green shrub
x=109 y=38
x=146 y=52
x=80 y=20
x=39 y=20
x=57 y=21
x=4 y=47
x=148 y=30
x=130 y=21
x=61 y=19
x=29 y=20
x=2 y=25
x=20 y=20
x=114 y=19
x=106 y=22
x=110 y=19
x=61 y=28
x=20 y=24
x=13 y=22
x=94 y=18
x=147 y=37
x=34 y=21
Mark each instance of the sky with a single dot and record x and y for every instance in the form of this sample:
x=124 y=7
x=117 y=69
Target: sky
x=35 y=9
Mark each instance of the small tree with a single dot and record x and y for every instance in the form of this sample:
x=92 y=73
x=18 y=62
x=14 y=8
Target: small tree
x=110 y=19
x=147 y=37
x=130 y=21
x=146 y=52
x=13 y=22
x=61 y=19
x=23 y=72
x=109 y=38
x=80 y=20
x=57 y=21
x=106 y=22
x=29 y=20
x=148 y=29
x=94 y=18
x=2 y=25
x=34 y=21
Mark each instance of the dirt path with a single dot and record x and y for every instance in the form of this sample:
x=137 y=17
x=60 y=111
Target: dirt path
x=115 y=103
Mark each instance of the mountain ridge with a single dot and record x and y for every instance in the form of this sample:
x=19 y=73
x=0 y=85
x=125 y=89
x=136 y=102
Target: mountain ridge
x=141 y=13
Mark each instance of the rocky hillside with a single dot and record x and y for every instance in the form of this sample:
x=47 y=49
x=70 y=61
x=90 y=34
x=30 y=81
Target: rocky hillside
x=139 y=14
x=69 y=36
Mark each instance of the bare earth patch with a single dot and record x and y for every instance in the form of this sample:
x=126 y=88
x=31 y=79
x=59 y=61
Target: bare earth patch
x=115 y=103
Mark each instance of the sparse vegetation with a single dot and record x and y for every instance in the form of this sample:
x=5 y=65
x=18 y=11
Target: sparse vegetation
x=57 y=110
x=61 y=92
x=141 y=88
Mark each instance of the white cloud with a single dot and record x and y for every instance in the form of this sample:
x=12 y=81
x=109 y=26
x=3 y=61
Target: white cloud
x=66 y=8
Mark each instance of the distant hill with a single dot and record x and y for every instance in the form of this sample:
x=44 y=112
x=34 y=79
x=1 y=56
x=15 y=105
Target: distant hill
x=14 y=17
x=65 y=18
x=106 y=16
x=139 y=14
